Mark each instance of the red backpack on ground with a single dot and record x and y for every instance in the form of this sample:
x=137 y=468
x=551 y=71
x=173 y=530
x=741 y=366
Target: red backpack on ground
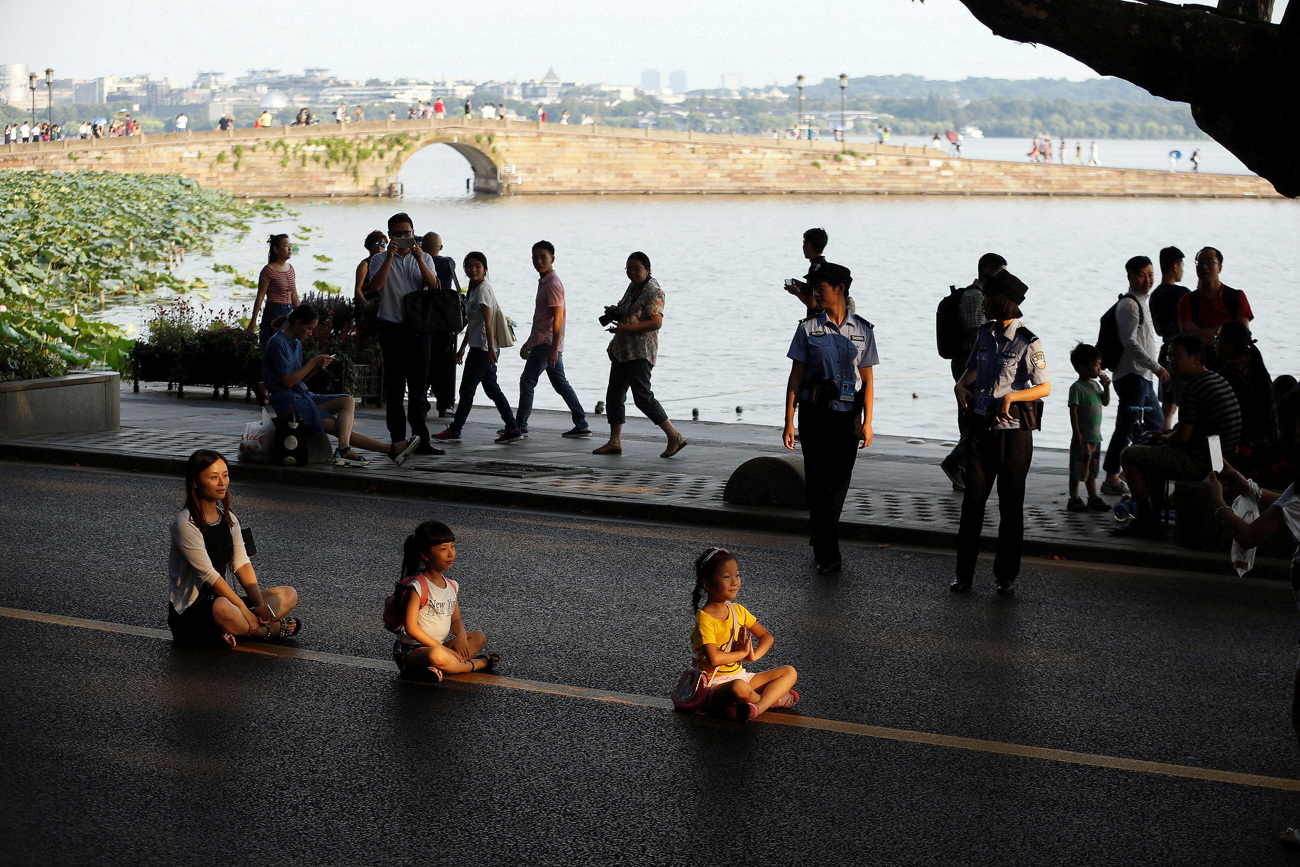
x=395 y=604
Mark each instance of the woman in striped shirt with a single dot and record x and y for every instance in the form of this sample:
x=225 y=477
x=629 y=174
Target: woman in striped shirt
x=276 y=286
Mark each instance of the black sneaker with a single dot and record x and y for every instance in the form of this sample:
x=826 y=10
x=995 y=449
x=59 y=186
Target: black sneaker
x=578 y=433
x=1004 y=587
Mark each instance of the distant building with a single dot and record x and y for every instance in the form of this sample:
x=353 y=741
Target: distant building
x=731 y=81
x=650 y=80
x=503 y=89
x=546 y=90
x=677 y=80
x=623 y=92
x=13 y=84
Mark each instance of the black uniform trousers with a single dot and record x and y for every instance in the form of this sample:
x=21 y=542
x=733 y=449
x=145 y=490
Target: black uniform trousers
x=442 y=369
x=406 y=364
x=829 y=439
x=1002 y=456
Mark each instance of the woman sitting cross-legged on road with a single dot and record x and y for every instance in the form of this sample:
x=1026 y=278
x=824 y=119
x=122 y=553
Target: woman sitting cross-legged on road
x=207 y=547
x=284 y=373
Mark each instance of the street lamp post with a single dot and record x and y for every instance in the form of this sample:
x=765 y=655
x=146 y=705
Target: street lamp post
x=798 y=82
x=844 y=129
x=49 y=99
x=31 y=82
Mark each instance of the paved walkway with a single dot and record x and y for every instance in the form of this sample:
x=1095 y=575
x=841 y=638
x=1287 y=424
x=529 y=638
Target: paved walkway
x=899 y=494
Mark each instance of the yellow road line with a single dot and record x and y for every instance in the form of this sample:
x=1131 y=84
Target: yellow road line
x=827 y=725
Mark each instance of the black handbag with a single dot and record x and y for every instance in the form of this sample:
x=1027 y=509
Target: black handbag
x=429 y=310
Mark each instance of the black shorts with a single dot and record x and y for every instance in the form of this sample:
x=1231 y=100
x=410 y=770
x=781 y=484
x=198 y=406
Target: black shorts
x=196 y=628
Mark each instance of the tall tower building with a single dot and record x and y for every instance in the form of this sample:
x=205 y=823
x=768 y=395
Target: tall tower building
x=650 y=80
x=13 y=84
x=677 y=80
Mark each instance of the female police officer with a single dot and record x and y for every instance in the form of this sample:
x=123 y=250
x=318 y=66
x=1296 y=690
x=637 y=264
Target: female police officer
x=832 y=352
x=1005 y=380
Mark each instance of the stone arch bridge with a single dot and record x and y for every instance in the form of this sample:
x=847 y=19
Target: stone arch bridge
x=524 y=157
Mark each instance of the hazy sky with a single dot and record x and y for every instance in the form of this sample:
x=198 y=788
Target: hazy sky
x=761 y=40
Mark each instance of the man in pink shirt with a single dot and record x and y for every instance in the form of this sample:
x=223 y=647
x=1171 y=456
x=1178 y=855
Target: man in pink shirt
x=545 y=345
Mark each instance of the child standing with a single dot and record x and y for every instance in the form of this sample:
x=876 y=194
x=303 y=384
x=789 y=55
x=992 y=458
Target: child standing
x=432 y=637
x=1087 y=397
x=723 y=639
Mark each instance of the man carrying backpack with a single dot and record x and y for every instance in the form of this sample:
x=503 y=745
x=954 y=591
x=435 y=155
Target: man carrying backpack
x=1211 y=304
x=961 y=314
x=1136 y=371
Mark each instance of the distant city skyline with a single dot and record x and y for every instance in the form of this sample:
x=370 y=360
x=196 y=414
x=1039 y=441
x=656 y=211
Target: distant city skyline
x=760 y=43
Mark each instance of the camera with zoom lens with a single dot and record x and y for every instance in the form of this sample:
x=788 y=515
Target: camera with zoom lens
x=610 y=316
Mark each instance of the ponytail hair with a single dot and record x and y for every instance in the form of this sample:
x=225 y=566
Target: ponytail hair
x=706 y=566
x=271 y=243
x=428 y=535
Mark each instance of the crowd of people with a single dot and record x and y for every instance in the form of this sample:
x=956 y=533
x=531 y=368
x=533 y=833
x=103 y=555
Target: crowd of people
x=25 y=132
x=1041 y=152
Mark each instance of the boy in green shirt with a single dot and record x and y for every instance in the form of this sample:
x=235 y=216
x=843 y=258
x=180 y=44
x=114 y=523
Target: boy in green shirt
x=1087 y=397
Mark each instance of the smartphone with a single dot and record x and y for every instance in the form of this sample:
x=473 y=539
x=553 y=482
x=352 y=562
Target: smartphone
x=403 y=243
x=1216 y=452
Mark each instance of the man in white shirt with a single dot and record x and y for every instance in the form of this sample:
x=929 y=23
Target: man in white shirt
x=24 y=132
x=182 y=123
x=395 y=273
x=1138 y=370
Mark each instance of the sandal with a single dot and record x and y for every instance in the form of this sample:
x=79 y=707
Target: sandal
x=285 y=631
x=746 y=711
x=790 y=699
x=492 y=660
x=228 y=640
x=674 y=448
x=1291 y=842
x=608 y=449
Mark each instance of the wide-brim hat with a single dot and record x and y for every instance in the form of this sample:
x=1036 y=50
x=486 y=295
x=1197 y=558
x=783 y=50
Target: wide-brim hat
x=1008 y=284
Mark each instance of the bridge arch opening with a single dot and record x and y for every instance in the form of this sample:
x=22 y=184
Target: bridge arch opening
x=447 y=170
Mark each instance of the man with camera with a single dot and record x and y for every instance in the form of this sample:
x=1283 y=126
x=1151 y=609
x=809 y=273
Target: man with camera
x=396 y=272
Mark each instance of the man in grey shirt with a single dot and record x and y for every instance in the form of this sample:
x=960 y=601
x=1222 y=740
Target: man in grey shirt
x=395 y=273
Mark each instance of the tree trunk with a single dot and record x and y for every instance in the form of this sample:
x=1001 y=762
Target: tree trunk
x=1239 y=76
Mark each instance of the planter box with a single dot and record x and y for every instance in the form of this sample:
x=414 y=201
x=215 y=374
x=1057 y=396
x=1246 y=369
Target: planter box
x=370 y=383
x=81 y=402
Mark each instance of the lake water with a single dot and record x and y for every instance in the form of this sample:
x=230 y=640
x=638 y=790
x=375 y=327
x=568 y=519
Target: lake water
x=721 y=261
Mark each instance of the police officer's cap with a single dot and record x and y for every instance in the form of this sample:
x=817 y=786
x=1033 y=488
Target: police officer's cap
x=1008 y=284
x=831 y=273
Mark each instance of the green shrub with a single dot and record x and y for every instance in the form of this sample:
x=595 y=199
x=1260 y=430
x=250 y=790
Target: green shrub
x=29 y=359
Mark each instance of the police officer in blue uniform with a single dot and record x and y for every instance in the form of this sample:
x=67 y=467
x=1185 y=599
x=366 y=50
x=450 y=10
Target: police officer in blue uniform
x=1004 y=384
x=832 y=355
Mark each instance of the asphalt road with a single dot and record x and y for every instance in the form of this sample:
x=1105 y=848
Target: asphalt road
x=120 y=749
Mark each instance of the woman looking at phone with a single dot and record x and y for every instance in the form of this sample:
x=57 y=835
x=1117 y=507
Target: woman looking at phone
x=284 y=373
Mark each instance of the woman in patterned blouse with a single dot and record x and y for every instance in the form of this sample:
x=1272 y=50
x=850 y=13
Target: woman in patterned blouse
x=632 y=354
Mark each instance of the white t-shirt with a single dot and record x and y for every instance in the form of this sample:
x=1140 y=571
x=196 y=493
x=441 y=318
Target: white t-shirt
x=182 y=121
x=479 y=297
x=435 y=615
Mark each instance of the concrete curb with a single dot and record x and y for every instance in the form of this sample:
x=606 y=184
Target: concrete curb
x=746 y=518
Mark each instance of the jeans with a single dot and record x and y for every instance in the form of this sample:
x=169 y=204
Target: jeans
x=1132 y=391
x=634 y=374
x=829 y=440
x=533 y=366
x=480 y=368
x=442 y=368
x=1002 y=456
x=406 y=364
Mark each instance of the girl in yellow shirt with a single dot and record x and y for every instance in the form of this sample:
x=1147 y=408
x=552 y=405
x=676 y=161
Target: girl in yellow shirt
x=723 y=640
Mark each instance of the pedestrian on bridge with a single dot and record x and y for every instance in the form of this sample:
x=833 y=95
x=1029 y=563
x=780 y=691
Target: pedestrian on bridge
x=207 y=547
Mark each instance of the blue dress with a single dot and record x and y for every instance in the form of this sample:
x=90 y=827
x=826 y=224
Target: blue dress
x=281 y=357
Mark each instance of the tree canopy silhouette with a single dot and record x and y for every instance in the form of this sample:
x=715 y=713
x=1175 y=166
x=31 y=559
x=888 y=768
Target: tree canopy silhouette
x=1239 y=72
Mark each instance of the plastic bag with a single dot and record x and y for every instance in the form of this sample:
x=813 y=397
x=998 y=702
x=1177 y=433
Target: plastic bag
x=1247 y=508
x=258 y=438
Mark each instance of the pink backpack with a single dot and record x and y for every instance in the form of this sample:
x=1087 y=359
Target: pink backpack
x=395 y=604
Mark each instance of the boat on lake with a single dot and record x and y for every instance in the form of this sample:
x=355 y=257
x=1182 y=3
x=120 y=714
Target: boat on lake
x=972 y=132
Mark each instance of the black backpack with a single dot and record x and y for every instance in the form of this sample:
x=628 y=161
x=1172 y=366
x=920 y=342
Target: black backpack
x=1108 y=342
x=949 y=335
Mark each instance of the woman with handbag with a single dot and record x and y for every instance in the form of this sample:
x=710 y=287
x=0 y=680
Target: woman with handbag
x=207 y=548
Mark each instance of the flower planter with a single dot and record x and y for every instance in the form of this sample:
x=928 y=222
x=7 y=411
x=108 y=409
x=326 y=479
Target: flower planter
x=151 y=364
x=81 y=402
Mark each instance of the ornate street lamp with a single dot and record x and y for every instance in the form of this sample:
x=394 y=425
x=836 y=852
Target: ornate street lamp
x=798 y=82
x=844 y=129
x=31 y=82
x=49 y=98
